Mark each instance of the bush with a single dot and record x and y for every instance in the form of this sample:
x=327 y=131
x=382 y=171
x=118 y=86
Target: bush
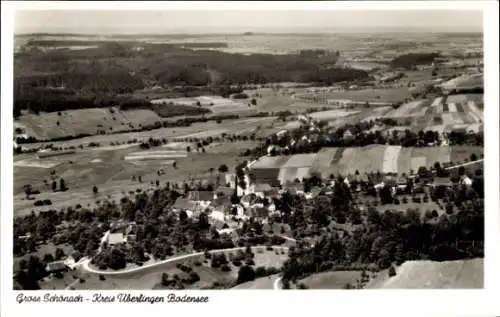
x=249 y=262
x=245 y=274
x=236 y=262
x=194 y=277
x=392 y=271
x=101 y=277
x=197 y=263
x=260 y=271
x=225 y=268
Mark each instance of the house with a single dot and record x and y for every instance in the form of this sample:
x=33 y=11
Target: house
x=203 y=198
x=465 y=180
x=315 y=191
x=230 y=179
x=223 y=191
x=240 y=210
x=442 y=181
x=294 y=188
x=56 y=267
x=261 y=190
x=116 y=238
x=257 y=212
x=183 y=204
x=217 y=215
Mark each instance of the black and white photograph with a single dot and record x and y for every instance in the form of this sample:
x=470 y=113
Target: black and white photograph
x=279 y=150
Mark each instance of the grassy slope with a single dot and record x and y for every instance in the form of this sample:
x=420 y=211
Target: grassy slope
x=433 y=275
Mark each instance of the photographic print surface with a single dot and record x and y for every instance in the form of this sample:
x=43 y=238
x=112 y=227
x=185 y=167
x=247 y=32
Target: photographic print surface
x=248 y=150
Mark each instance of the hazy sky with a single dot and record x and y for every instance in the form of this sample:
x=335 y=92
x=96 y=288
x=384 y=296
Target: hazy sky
x=235 y=21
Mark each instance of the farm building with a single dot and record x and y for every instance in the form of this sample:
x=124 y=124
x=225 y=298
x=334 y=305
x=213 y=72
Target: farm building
x=267 y=169
x=204 y=198
x=56 y=267
x=116 y=238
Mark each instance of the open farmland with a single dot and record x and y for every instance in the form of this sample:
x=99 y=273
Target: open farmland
x=198 y=129
x=83 y=121
x=461 y=274
x=216 y=104
x=112 y=171
x=332 y=114
x=387 y=95
x=331 y=280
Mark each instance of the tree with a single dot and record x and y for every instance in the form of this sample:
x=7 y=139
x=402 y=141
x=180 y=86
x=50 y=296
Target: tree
x=48 y=257
x=62 y=185
x=54 y=186
x=59 y=253
x=253 y=102
x=188 y=149
x=95 y=190
x=223 y=168
x=392 y=271
x=211 y=170
x=245 y=274
x=28 y=190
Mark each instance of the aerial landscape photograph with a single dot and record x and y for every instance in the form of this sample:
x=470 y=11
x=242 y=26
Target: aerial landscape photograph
x=248 y=150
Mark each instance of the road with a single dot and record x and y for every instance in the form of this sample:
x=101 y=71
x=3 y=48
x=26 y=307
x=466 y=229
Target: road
x=464 y=164
x=84 y=265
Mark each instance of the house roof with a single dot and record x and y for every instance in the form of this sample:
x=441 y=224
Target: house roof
x=222 y=202
x=226 y=191
x=294 y=186
x=55 y=266
x=262 y=187
x=115 y=238
x=442 y=181
x=183 y=204
x=201 y=195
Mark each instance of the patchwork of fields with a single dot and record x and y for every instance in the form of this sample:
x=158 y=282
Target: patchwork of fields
x=457 y=111
x=372 y=158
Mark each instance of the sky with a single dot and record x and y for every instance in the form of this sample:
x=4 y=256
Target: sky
x=105 y=22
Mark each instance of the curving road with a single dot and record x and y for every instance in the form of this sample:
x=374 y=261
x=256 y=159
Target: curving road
x=85 y=264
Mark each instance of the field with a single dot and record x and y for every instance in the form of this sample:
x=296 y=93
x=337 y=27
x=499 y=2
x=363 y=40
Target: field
x=387 y=95
x=458 y=111
x=215 y=104
x=149 y=277
x=331 y=280
x=199 y=129
x=463 y=274
x=112 y=173
x=332 y=114
x=83 y=121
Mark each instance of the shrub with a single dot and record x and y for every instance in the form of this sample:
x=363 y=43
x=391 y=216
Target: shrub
x=392 y=271
x=101 y=277
x=197 y=263
x=260 y=271
x=225 y=268
x=194 y=277
x=236 y=262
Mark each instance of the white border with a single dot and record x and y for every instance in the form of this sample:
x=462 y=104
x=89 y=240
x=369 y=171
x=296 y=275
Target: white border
x=397 y=303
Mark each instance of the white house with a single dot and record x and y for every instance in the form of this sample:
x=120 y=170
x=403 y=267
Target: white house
x=465 y=180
